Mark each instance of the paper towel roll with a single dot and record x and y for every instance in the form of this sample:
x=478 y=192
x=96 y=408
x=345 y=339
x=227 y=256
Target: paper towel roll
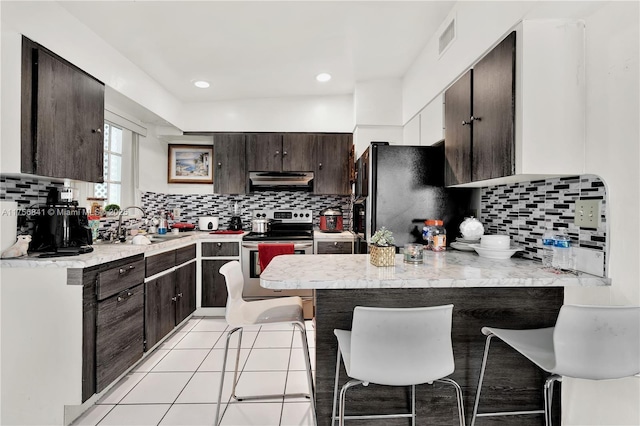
x=8 y=224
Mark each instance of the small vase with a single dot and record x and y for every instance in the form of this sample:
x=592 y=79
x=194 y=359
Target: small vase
x=382 y=255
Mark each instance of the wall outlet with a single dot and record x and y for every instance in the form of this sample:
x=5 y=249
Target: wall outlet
x=587 y=213
x=176 y=213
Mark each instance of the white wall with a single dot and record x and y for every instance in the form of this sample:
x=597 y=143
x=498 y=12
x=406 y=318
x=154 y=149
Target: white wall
x=612 y=135
x=293 y=114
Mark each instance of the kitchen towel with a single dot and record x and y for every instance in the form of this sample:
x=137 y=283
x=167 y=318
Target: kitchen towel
x=266 y=252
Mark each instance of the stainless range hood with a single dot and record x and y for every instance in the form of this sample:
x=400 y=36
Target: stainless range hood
x=281 y=181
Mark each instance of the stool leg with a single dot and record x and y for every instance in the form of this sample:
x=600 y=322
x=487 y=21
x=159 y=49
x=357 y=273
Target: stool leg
x=224 y=367
x=307 y=359
x=235 y=371
x=459 y=398
x=413 y=405
x=343 y=397
x=548 y=397
x=335 y=387
x=484 y=365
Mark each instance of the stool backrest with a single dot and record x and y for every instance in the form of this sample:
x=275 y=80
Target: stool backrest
x=401 y=346
x=597 y=342
x=232 y=272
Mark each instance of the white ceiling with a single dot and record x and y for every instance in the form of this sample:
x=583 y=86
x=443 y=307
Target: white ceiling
x=264 y=48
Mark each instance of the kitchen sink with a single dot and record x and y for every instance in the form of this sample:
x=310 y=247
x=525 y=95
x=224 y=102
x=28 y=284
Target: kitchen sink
x=155 y=238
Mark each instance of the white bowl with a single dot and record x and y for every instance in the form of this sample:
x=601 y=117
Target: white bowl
x=490 y=253
x=495 y=241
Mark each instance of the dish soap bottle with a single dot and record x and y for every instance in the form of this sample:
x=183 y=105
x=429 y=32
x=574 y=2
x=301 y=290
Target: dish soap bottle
x=162 y=224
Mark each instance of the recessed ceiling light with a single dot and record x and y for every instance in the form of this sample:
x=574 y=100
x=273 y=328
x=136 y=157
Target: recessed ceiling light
x=201 y=84
x=323 y=77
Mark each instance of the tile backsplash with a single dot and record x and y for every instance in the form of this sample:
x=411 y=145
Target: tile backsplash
x=524 y=210
x=194 y=206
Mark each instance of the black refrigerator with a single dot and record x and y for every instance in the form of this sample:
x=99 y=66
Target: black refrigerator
x=399 y=187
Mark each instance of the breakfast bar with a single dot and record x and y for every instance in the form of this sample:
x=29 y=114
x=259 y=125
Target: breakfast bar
x=510 y=293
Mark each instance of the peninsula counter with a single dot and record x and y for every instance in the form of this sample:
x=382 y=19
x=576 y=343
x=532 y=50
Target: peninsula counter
x=515 y=293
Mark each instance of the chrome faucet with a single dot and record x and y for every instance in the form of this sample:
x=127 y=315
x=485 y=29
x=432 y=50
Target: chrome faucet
x=119 y=235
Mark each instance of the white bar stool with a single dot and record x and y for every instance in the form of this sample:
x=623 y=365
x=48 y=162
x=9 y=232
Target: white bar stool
x=241 y=313
x=396 y=347
x=587 y=342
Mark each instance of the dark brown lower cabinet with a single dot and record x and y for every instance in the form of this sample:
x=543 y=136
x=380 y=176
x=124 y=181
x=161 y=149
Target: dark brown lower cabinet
x=214 y=287
x=169 y=299
x=159 y=313
x=119 y=334
x=186 y=291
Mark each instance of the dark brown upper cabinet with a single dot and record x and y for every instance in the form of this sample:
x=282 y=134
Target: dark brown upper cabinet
x=480 y=118
x=333 y=164
x=278 y=152
x=230 y=176
x=493 y=112
x=457 y=147
x=62 y=117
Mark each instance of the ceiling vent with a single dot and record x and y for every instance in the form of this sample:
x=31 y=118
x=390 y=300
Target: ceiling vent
x=447 y=37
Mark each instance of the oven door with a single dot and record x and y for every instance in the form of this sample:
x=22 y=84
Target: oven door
x=251 y=271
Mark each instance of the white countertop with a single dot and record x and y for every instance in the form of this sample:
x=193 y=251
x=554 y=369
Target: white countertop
x=107 y=252
x=344 y=235
x=445 y=269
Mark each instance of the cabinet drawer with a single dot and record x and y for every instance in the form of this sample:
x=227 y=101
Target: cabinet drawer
x=119 y=334
x=185 y=254
x=220 y=249
x=116 y=279
x=334 y=247
x=160 y=262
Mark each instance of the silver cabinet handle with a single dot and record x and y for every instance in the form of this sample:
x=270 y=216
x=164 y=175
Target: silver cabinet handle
x=335 y=243
x=125 y=297
x=180 y=295
x=277 y=152
x=466 y=123
x=219 y=245
x=476 y=118
x=320 y=165
x=284 y=152
x=126 y=269
x=219 y=164
x=174 y=299
x=96 y=130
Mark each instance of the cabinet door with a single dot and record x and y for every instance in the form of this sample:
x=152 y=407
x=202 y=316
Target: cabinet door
x=264 y=152
x=159 y=309
x=494 y=112
x=185 y=291
x=119 y=335
x=230 y=175
x=298 y=152
x=457 y=133
x=214 y=287
x=332 y=164
x=68 y=122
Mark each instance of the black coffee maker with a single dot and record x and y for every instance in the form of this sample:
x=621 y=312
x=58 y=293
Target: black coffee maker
x=61 y=227
x=235 y=224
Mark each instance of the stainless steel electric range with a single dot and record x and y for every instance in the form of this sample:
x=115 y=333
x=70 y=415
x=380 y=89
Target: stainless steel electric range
x=286 y=226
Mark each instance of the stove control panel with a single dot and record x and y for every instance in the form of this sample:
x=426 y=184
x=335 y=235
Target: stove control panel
x=285 y=216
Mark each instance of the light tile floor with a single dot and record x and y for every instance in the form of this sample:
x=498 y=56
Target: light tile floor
x=177 y=384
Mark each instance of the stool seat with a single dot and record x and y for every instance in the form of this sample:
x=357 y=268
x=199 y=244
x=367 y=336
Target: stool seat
x=241 y=313
x=395 y=347
x=587 y=342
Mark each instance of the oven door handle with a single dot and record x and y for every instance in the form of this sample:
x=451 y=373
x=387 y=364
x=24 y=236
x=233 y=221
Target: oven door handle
x=254 y=246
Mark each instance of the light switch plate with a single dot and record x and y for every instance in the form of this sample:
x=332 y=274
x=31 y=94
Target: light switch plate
x=589 y=261
x=587 y=213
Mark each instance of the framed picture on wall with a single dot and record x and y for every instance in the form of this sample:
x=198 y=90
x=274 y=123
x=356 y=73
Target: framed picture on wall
x=190 y=164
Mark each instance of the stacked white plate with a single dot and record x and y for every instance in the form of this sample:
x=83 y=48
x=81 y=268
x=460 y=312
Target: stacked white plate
x=464 y=245
x=495 y=247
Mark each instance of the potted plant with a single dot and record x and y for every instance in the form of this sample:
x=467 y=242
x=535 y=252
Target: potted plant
x=382 y=251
